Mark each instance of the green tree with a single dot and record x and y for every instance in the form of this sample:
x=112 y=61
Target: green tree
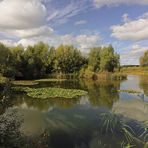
x=109 y=60
x=94 y=59
x=51 y=60
x=144 y=59
x=6 y=60
x=17 y=54
x=35 y=61
x=68 y=59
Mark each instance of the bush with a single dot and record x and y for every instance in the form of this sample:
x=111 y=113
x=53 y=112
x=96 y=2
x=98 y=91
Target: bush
x=87 y=73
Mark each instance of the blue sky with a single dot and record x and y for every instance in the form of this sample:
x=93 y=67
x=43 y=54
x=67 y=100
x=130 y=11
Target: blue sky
x=83 y=23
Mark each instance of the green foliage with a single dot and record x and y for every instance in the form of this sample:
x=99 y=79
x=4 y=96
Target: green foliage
x=6 y=60
x=39 y=60
x=46 y=93
x=6 y=89
x=10 y=134
x=68 y=59
x=94 y=58
x=17 y=55
x=111 y=123
x=36 y=60
x=103 y=59
x=109 y=60
x=87 y=73
x=21 y=89
x=144 y=59
x=2 y=79
x=51 y=61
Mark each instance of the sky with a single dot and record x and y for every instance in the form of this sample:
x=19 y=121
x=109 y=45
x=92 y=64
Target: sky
x=82 y=23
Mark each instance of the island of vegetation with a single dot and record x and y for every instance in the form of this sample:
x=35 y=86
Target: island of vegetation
x=46 y=93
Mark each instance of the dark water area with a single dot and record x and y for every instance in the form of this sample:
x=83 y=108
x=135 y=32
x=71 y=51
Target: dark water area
x=81 y=122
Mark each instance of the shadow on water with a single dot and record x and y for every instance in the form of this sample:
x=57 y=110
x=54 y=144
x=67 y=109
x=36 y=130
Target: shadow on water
x=73 y=128
x=102 y=119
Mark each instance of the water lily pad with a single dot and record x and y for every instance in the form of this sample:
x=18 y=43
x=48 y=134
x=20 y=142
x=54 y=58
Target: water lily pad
x=45 y=93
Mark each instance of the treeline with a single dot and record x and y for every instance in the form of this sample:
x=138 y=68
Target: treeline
x=40 y=60
x=144 y=59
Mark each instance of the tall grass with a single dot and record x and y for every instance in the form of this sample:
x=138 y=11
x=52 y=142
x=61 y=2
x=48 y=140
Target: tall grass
x=113 y=124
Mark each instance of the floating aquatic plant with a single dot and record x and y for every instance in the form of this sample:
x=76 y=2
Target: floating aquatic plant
x=24 y=83
x=21 y=89
x=45 y=93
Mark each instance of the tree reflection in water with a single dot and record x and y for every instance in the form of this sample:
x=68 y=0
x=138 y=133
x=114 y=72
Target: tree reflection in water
x=69 y=123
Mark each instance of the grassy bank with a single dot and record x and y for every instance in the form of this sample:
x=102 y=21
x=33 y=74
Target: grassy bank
x=135 y=70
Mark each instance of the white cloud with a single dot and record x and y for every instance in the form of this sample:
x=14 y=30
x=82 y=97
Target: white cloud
x=100 y=3
x=28 y=18
x=81 y=22
x=28 y=33
x=134 y=30
x=125 y=18
x=7 y=42
x=83 y=42
x=22 y=14
x=60 y=15
x=26 y=42
x=87 y=41
x=132 y=55
x=23 y=18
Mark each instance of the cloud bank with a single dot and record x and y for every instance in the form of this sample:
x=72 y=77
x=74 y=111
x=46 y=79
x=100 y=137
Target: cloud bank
x=134 y=30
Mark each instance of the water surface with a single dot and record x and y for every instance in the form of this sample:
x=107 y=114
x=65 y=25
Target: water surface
x=73 y=123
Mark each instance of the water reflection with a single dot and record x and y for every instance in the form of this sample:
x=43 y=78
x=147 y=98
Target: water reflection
x=75 y=123
x=78 y=127
x=43 y=105
x=134 y=109
x=99 y=94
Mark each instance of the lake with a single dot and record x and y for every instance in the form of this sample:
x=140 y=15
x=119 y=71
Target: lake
x=77 y=123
